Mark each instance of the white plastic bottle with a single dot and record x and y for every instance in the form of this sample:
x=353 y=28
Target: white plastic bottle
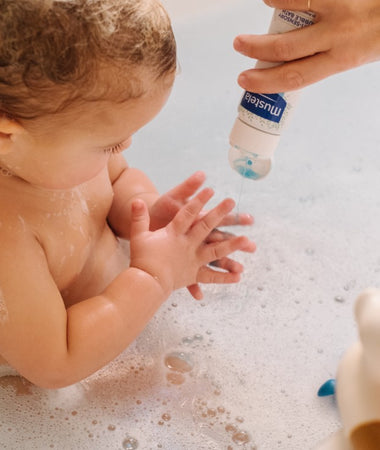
x=262 y=117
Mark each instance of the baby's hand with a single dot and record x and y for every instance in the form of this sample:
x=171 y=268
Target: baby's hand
x=179 y=254
x=168 y=204
x=225 y=263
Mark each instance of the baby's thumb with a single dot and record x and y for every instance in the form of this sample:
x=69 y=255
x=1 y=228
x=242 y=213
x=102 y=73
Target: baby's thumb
x=139 y=217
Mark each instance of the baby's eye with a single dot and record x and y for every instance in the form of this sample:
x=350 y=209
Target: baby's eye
x=115 y=148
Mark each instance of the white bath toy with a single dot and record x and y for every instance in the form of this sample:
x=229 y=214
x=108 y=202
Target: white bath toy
x=358 y=382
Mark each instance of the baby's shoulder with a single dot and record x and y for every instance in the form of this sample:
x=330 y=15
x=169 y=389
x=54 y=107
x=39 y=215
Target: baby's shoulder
x=15 y=230
x=20 y=248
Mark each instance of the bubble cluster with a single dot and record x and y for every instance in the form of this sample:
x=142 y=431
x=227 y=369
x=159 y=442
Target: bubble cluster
x=130 y=443
x=179 y=364
x=219 y=419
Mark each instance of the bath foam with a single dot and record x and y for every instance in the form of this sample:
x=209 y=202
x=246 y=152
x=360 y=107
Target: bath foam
x=316 y=242
x=7 y=371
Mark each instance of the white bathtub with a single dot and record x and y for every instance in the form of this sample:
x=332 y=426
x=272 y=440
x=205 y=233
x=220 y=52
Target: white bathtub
x=259 y=350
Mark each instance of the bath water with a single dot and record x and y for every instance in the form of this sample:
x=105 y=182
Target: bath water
x=130 y=443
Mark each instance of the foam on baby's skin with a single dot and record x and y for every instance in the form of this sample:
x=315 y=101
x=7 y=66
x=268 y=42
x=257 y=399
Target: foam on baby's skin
x=82 y=200
x=12 y=380
x=4 y=314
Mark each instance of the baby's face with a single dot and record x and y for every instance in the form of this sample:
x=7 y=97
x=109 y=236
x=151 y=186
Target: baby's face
x=63 y=151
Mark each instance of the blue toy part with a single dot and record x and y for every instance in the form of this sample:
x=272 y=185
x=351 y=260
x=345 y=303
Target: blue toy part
x=327 y=388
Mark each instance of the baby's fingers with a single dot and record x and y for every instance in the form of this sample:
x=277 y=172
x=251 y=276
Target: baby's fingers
x=219 y=236
x=188 y=187
x=207 y=275
x=218 y=251
x=189 y=213
x=212 y=219
x=227 y=264
x=195 y=291
x=139 y=218
x=237 y=219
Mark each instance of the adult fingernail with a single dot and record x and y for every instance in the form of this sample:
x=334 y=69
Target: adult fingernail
x=237 y=43
x=242 y=79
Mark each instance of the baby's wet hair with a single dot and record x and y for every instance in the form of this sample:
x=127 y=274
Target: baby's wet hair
x=57 y=52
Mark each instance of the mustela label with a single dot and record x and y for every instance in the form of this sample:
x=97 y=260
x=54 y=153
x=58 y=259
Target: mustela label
x=267 y=106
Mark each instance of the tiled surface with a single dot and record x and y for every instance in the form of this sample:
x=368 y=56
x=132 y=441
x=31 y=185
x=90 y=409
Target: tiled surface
x=262 y=348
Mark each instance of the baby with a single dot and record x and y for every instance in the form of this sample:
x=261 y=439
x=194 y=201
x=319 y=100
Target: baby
x=77 y=79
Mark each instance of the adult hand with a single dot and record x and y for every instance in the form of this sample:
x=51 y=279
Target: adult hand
x=346 y=34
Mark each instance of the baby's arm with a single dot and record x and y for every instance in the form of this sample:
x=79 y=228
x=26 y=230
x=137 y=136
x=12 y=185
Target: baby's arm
x=55 y=347
x=128 y=184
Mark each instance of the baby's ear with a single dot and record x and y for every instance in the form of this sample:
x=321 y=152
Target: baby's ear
x=9 y=130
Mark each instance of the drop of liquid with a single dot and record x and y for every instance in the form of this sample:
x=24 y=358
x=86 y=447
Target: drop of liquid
x=130 y=443
x=241 y=437
x=231 y=428
x=187 y=340
x=179 y=362
x=211 y=412
x=166 y=417
x=175 y=378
